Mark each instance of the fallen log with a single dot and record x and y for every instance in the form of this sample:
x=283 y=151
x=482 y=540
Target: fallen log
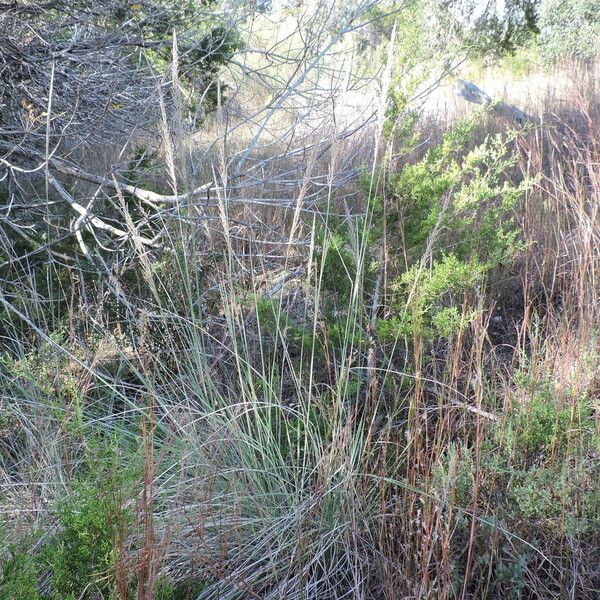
x=471 y=93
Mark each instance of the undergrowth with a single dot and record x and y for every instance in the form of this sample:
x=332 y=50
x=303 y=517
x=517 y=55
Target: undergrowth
x=410 y=413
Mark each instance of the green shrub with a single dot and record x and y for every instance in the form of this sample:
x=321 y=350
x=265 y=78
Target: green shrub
x=92 y=519
x=274 y=321
x=167 y=590
x=569 y=29
x=82 y=555
x=533 y=493
x=420 y=296
x=337 y=265
x=540 y=421
x=19 y=580
x=456 y=225
x=520 y=499
x=510 y=571
x=344 y=331
x=449 y=222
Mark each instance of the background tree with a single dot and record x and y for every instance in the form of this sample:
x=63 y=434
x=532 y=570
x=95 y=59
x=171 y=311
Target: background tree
x=569 y=29
x=488 y=28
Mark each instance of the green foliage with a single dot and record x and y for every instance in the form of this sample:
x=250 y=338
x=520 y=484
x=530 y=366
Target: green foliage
x=446 y=321
x=82 y=555
x=394 y=327
x=43 y=377
x=564 y=497
x=491 y=29
x=540 y=421
x=273 y=322
x=295 y=432
x=204 y=44
x=535 y=493
x=454 y=475
x=404 y=41
x=19 y=580
x=421 y=292
x=91 y=521
x=412 y=65
x=285 y=478
x=569 y=29
x=344 y=331
x=469 y=196
x=345 y=272
x=337 y=265
x=539 y=443
x=455 y=199
x=447 y=275
x=167 y=590
x=421 y=186
x=523 y=62
x=538 y=478
x=510 y=573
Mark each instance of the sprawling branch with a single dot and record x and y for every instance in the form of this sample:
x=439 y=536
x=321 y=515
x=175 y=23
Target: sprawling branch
x=89 y=87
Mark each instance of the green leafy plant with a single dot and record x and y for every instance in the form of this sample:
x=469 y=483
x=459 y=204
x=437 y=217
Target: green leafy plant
x=83 y=554
x=455 y=213
x=569 y=29
x=19 y=579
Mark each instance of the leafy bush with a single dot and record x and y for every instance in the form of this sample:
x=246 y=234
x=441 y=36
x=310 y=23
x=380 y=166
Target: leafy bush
x=167 y=590
x=273 y=321
x=78 y=560
x=458 y=200
x=19 y=580
x=569 y=29
x=538 y=480
x=541 y=421
x=337 y=264
x=83 y=554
